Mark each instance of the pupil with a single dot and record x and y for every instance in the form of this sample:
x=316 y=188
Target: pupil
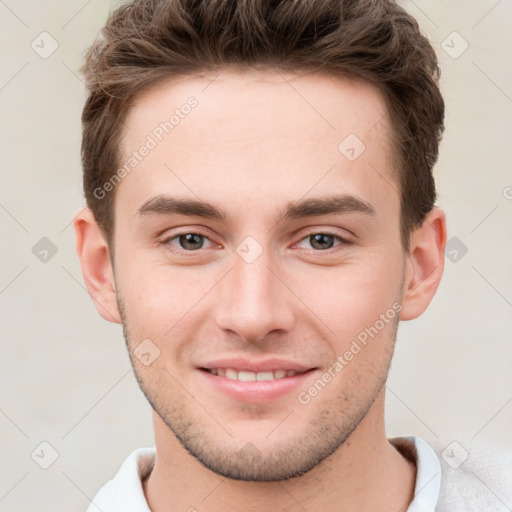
x=320 y=239
x=188 y=240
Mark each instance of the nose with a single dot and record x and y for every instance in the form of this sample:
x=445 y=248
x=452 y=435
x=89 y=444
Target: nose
x=254 y=301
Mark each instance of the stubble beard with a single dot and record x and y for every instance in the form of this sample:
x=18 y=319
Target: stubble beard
x=336 y=420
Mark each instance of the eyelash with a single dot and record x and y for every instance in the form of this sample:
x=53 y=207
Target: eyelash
x=190 y=253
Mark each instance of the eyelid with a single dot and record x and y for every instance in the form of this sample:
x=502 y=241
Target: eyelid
x=197 y=231
x=343 y=240
x=166 y=240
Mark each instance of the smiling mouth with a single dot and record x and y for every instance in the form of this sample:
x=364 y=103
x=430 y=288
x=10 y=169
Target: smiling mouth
x=247 y=376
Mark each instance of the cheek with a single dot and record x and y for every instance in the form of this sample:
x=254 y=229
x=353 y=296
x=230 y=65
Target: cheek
x=351 y=297
x=160 y=300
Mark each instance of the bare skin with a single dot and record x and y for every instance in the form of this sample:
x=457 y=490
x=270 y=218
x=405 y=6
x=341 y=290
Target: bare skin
x=251 y=147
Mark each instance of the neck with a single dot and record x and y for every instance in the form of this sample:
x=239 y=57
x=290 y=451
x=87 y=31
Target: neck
x=364 y=474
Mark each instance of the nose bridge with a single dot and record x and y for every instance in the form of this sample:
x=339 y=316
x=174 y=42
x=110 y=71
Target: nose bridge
x=254 y=301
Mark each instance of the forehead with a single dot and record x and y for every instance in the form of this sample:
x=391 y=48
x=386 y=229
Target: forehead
x=245 y=134
x=309 y=104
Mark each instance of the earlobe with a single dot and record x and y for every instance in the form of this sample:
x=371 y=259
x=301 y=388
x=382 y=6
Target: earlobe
x=424 y=264
x=93 y=253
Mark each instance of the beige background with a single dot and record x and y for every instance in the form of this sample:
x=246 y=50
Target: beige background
x=65 y=377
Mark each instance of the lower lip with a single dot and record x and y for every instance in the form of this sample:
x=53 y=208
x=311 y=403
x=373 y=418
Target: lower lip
x=256 y=391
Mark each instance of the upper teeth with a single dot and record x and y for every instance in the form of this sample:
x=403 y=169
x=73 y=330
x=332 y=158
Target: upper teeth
x=244 y=376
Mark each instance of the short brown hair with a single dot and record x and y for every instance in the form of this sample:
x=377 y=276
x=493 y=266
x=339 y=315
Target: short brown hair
x=147 y=41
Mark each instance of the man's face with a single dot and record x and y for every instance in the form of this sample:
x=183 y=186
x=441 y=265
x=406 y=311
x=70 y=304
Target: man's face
x=258 y=293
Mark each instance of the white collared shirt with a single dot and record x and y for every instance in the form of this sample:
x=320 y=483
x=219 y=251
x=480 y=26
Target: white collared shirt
x=124 y=492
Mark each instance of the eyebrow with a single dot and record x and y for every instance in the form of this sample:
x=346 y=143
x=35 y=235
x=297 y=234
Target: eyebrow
x=340 y=204
x=337 y=204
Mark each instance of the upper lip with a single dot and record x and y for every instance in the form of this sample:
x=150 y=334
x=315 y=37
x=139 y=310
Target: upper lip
x=246 y=365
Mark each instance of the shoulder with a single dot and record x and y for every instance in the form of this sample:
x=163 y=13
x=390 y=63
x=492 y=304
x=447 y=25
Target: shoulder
x=475 y=477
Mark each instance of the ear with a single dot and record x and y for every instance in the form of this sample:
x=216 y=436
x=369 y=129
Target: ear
x=92 y=249
x=424 y=264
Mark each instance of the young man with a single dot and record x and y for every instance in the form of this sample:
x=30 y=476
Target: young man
x=261 y=215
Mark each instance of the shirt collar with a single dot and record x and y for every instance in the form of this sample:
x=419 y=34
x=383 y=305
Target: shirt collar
x=428 y=472
x=124 y=492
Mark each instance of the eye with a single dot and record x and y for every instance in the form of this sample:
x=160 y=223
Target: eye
x=322 y=241
x=186 y=241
